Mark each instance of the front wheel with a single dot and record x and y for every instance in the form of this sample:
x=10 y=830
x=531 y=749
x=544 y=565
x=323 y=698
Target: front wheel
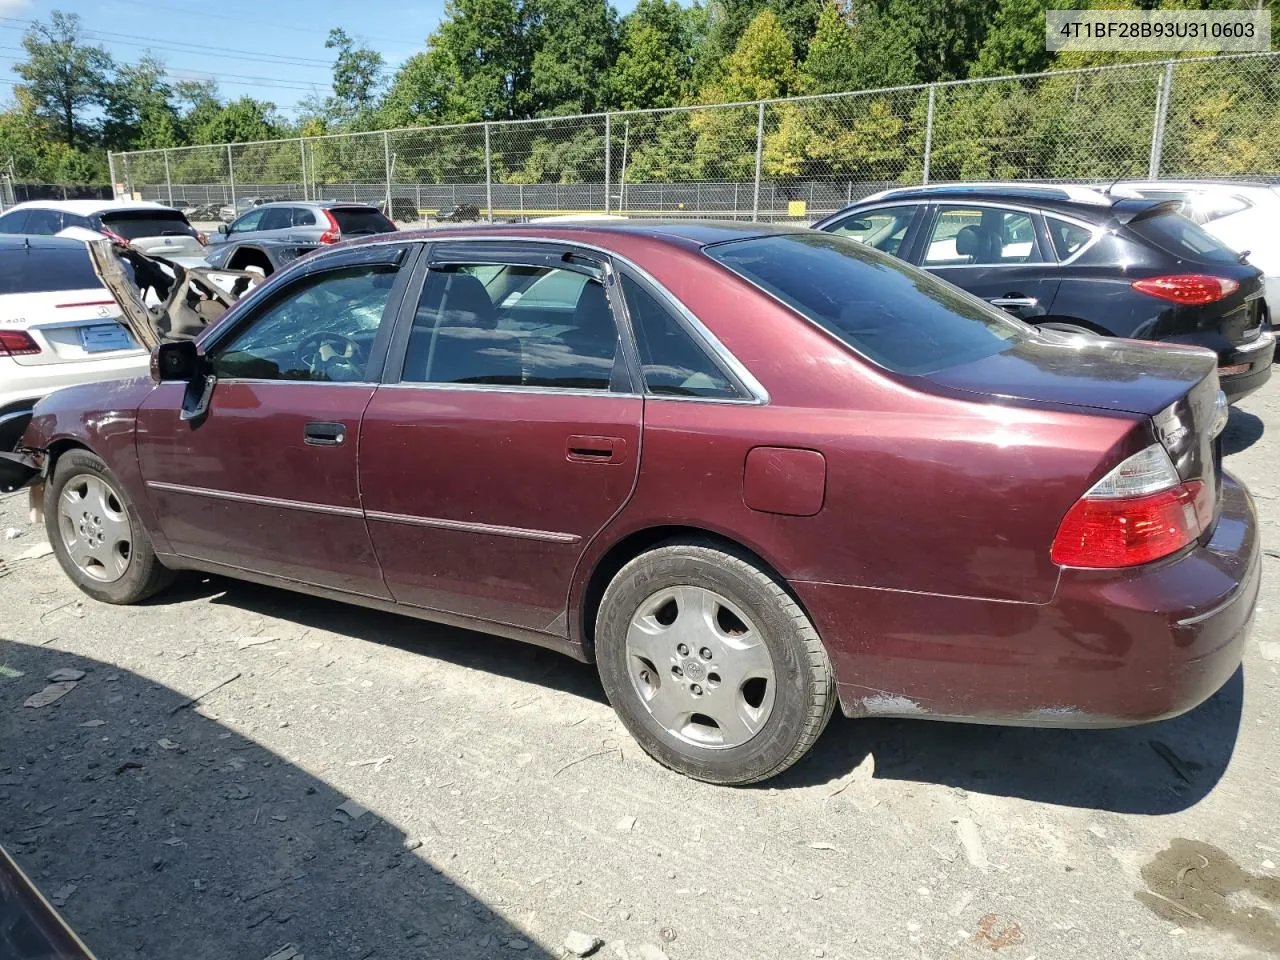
x=711 y=665
x=96 y=534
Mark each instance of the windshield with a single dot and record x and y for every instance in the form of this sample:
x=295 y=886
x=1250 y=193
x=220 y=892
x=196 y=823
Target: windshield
x=46 y=269
x=891 y=313
x=137 y=224
x=356 y=220
x=1175 y=234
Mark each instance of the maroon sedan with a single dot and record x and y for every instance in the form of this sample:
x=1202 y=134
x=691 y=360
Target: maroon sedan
x=747 y=472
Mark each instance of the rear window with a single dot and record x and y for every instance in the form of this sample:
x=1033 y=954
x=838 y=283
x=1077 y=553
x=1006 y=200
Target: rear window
x=46 y=270
x=1177 y=235
x=893 y=314
x=136 y=224
x=356 y=220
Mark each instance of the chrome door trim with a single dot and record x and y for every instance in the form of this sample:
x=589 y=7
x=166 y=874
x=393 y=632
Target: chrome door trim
x=492 y=529
x=326 y=508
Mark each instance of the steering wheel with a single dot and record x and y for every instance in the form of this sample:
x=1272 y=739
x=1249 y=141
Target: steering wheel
x=331 y=356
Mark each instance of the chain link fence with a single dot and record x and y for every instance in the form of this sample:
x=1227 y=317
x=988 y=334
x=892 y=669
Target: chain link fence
x=796 y=159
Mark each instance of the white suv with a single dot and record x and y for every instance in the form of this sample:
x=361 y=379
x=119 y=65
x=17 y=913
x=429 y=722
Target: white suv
x=58 y=327
x=152 y=228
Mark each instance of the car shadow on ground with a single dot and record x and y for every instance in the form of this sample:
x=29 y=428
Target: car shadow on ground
x=1154 y=768
x=1243 y=430
x=169 y=835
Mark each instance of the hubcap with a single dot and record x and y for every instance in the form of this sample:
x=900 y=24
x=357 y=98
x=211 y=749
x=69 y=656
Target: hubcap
x=95 y=528
x=700 y=666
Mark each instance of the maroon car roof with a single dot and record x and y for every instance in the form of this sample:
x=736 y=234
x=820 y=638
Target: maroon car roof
x=690 y=233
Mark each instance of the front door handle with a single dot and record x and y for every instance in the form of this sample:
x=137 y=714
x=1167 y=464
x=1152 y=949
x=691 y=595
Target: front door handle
x=1013 y=301
x=596 y=449
x=319 y=433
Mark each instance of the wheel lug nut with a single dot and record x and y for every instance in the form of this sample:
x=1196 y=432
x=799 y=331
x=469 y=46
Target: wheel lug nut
x=644 y=675
x=682 y=649
x=705 y=653
x=696 y=690
x=676 y=671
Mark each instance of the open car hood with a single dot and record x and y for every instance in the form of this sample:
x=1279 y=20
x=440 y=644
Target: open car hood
x=188 y=298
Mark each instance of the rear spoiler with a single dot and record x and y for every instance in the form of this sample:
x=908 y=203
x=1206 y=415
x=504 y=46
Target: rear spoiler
x=1135 y=211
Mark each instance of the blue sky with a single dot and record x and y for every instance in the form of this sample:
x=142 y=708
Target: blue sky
x=270 y=50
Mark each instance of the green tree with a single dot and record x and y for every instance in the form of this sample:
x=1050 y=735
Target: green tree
x=357 y=77
x=831 y=65
x=1015 y=40
x=574 y=43
x=488 y=45
x=64 y=76
x=139 y=110
x=654 y=67
x=427 y=90
x=238 y=121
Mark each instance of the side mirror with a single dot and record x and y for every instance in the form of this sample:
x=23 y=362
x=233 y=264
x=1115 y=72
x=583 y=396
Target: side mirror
x=176 y=360
x=223 y=229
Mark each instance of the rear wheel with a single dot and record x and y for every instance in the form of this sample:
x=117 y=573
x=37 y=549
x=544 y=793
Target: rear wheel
x=711 y=665
x=96 y=534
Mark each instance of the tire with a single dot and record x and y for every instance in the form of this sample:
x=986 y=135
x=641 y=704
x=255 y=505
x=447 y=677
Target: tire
x=113 y=574
x=754 y=626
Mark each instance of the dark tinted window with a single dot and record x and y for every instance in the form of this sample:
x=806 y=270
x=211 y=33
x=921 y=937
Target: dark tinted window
x=42 y=269
x=135 y=224
x=277 y=218
x=672 y=361
x=1068 y=238
x=357 y=220
x=43 y=222
x=15 y=222
x=1177 y=235
x=898 y=316
x=514 y=325
x=321 y=328
x=302 y=217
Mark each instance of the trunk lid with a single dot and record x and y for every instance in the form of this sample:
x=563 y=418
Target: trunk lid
x=68 y=325
x=1094 y=372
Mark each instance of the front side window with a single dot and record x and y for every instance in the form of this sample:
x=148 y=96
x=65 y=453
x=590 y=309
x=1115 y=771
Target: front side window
x=672 y=362
x=883 y=228
x=250 y=221
x=895 y=315
x=981 y=235
x=44 y=222
x=512 y=325
x=320 y=329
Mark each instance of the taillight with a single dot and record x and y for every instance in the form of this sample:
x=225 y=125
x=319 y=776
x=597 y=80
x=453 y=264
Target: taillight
x=1137 y=513
x=334 y=233
x=17 y=343
x=1190 y=289
x=202 y=238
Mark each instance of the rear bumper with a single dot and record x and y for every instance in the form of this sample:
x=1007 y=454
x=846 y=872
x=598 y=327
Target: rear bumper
x=1259 y=354
x=1111 y=648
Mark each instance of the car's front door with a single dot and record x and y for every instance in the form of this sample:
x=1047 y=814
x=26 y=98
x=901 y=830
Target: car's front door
x=511 y=437
x=276 y=224
x=994 y=252
x=266 y=479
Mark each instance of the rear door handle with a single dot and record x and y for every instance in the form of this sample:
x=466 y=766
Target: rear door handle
x=1012 y=301
x=319 y=433
x=596 y=449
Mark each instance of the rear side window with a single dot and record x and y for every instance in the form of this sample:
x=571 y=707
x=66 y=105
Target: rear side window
x=136 y=224
x=981 y=235
x=1068 y=238
x=673 y=363
x=46 y=270
x=895 y=315
x=1177 y=235
x=302 y=217
x=356 y=220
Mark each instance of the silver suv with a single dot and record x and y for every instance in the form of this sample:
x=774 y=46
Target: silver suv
x=324 y=221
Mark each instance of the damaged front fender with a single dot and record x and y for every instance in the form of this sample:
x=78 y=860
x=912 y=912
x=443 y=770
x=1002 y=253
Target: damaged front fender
x=20 y=467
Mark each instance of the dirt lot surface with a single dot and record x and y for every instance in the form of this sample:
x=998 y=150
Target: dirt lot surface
x=368 y=786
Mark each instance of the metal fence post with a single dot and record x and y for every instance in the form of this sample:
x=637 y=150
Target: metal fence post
x=488 y=173
x=755 y=203
x=128 y=179
x=302 y=156
x=928 y=135
x=231 y=177
x=607 y=160
x=168 y=180
x=1157 y=128
x=111 y=172
x=386 y=153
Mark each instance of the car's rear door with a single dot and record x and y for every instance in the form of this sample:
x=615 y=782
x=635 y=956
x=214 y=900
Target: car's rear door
x=996 y=252
x=509 y=436
x=266 y=480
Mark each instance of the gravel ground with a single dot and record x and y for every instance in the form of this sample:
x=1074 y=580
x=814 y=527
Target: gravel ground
x=506 y=807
